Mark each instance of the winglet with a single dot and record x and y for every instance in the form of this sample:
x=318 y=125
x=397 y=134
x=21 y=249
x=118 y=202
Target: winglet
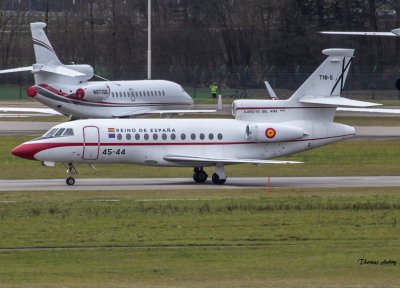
x=271 y=92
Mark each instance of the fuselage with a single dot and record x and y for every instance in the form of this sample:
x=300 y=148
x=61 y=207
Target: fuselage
x=150 y=141
x=112 y=99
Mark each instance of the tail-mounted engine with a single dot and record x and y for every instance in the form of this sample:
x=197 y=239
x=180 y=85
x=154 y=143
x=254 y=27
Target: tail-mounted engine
x=272 y=132
x=93 y=92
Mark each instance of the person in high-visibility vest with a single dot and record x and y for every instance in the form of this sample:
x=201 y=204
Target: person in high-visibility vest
x=214 y=89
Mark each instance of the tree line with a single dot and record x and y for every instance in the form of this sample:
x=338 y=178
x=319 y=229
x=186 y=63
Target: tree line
x=198 y=41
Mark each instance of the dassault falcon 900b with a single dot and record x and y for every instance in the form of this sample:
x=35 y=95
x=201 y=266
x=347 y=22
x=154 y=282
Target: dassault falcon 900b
x=262 y=130
x=66 y=89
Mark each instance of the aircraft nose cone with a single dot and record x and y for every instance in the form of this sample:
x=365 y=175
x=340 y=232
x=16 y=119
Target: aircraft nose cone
x=27 y=151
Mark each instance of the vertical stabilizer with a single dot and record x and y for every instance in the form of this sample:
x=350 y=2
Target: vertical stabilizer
x=44 y=52
x=329 y=78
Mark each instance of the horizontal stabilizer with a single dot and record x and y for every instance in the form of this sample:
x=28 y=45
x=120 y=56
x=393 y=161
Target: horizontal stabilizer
x=337 y=101
x=61 y=70
x=370 y=110
x=212 y=161
x=13 y=70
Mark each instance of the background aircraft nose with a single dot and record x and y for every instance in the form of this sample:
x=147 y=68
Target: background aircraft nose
x=27 y=151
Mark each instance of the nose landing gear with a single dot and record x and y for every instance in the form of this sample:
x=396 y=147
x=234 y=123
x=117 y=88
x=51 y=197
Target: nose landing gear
x=71 y=172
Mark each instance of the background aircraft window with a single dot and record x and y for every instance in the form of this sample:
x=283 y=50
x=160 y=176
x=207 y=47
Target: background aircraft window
x=128 y=136
x=59 y=132
x=202 y=136
x=183 y=136
x=219 y=136
x=211 y=136
x=164 y=136
x=155 y=136
x=193 y=136
x=137 y=136
x=146 y=136
x=173 y=136
x=119 y=136
x=69 y=132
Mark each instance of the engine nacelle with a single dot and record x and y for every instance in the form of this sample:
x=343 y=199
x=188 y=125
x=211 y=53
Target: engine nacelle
x=93 y=92
x=272 y=132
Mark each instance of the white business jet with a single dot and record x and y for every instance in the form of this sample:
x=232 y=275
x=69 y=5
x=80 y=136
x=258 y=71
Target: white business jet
x=66 y=89
x=262 y=130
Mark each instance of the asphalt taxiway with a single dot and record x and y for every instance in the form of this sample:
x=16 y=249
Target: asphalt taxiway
x=186 y=183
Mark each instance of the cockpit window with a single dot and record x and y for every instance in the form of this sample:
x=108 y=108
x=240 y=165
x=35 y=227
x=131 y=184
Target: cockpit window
x=58 y=132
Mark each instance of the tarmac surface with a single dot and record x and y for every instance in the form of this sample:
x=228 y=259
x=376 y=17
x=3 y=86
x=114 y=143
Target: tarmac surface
x=186 y=183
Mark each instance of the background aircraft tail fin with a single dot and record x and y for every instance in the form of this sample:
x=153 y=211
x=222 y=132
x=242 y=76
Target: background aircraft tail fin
x=44 y=52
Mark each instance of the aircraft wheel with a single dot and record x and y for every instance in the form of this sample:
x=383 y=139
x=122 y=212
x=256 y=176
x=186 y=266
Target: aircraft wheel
x=70 y=181
x=200 y=176
x=216 y=180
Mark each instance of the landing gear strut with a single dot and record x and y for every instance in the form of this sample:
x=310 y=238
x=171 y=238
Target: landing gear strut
x=71 y=172
x=199 y=176
x=219 y=177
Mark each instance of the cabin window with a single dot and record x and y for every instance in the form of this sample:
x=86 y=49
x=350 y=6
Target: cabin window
x=211 y=136
x=119 y=136
x=202 y=136
x=193 y=136
x=163 y=93
x=140 y=93
x=173 y=136
x=128 y=136
x=159 y=93
x=112 y=93
x=151 y=93
x=146 y=136
x=183 y=136
x=148 y=94
x=164 y=136
x=120 y=94
x=136 y=93
x=137 y=136
x=155 y=136
x=219 y=136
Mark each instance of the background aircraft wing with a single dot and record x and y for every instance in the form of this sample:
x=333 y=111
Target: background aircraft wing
x=211 y=161
x=27 y=110
x=360 y=33
x=145 y=112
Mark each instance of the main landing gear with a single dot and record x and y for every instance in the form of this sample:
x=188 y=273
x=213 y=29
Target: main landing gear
x=218 y=178
x=71 y=172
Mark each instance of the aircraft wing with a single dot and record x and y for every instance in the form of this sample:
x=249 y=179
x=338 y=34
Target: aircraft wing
x=27 y=110
x=360 y=33
x=209 y=160
x=145 y=112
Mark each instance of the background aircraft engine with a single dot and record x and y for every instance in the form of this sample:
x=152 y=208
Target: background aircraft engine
x=272 y=132
x=93 y=92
